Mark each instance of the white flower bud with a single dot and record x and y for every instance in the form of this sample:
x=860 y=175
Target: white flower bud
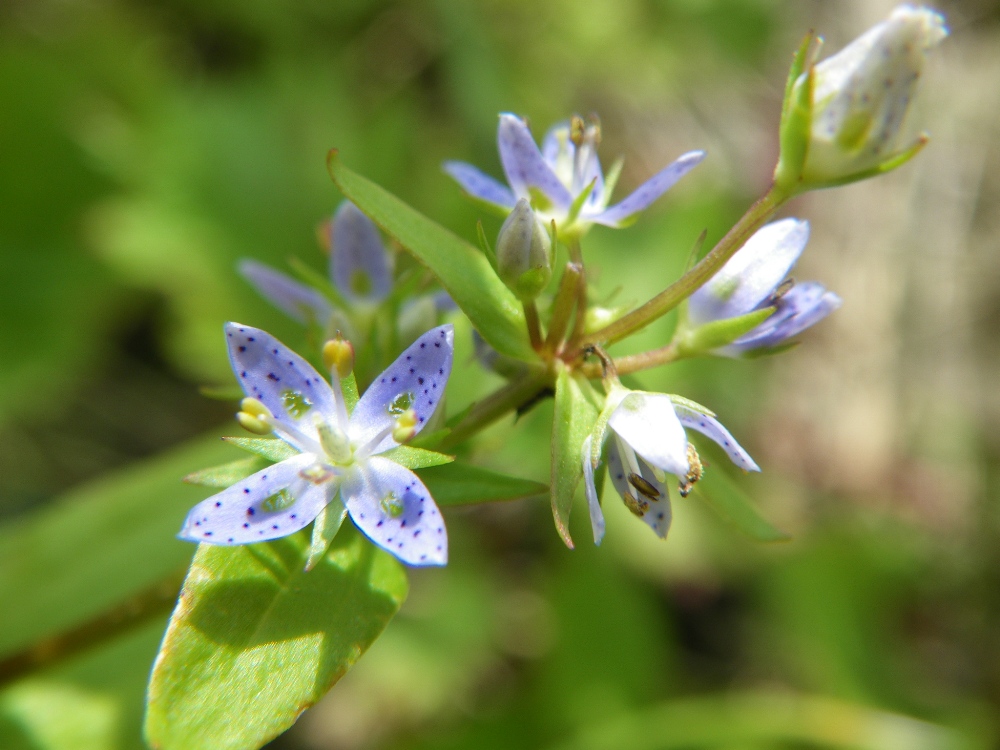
x=861 y=96
x=524 y=248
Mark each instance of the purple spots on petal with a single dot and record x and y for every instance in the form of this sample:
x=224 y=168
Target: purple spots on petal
x=218 y=504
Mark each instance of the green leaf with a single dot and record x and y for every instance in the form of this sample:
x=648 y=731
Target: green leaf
x=94 y=547
x=462 y=484
x=349 y=387
x=417 y=458
x=430 y=438
x=728 y=500
x=226 y=475
x=325 y=528
x=255 y=640
x=573 y=420
x=721 y=332
x=765 y=720
x=463 y=271
x=272 y=449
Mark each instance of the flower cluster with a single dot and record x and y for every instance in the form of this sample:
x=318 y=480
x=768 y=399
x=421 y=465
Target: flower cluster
x=841 y=121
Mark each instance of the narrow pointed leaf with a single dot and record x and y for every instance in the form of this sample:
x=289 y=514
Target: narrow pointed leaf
x=722 y=332
x=325 y=528
x=272 y=449
x=462 y=484
x=417 y=458
x=573 y=420
x=728 y=500
x=255 y=640
x=227 y=474
x=463 y=270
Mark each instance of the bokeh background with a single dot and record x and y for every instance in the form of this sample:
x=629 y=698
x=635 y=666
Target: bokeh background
x=146 y=145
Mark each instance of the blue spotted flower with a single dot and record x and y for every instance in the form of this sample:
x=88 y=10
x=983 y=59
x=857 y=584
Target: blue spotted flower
x=360 y=270
x=563 y=181
x=341 y=460
x=753 y=280
x=647 y=442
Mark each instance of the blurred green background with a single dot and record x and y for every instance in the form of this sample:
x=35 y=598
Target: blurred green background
x=147 y=145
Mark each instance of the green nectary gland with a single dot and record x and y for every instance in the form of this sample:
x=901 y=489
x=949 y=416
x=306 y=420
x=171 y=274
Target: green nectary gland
x=295 y=403
x=401 y=403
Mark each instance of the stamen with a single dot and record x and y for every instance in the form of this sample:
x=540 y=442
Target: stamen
x=644 y=487
x=405 y=427
x=365 y=450
x=695 y=472
x=637 y=505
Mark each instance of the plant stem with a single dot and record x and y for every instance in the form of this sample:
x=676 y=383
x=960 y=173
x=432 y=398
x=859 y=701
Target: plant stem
x=687 y=284
x=507 y=399
x=534 y=325
x=156 y=600
x=562 y=308
x=653 y=358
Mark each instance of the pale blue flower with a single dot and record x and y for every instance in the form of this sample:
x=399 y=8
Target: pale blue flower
x=341 y=459
x=752 y=280
x=563 y=181
x=360 y=270
x=648 y=441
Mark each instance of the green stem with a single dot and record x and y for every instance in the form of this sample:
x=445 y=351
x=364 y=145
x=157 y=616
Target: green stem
x=691 y=281
x=534 y=325
x=499 y=403
x=156 y=600
x=562 y=308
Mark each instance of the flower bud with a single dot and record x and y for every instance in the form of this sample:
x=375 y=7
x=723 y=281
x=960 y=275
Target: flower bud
x=338 y=354
x=843 y=117
x=524 y=253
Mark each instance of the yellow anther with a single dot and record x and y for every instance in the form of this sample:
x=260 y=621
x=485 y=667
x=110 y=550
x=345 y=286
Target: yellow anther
x=250 y=423
x=255 y=408
x=338 y=354
x=405 y=427
x=577 y=127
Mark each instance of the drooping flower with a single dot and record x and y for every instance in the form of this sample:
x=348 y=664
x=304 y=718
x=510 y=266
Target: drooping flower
x=359 y=269
x=563 y=181
x=859 y=101
x=648 y=441
x=340 y=458
x=753 y=280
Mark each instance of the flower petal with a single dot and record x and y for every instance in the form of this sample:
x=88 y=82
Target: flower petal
x=272 y=503
x=713 y=429
x=648 y=423
x=524 y=165
x=416 y=380
x=593 y=503
x=279 y=378
x=359 y=263
x=559 y=151
x=802 y=306
x=752 y=274
x=659 y=514
x=415 y=532
x=297 y=300
x=648 y=192
x=479 y=184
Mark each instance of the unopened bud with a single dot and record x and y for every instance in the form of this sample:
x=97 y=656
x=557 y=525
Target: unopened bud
x=405 y=427
x=524 y=248
x=859 y=101
x=338 y=354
